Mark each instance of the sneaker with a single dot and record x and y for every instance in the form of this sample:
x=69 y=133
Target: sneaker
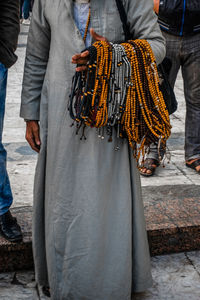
x=26 y=22
x=9 y=228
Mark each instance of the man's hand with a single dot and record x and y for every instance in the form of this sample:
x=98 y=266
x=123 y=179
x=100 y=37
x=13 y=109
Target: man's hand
x=156 y=6
x=83 y=58
x=33 y=135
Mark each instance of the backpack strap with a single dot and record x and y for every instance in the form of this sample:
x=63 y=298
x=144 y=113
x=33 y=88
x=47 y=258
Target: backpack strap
x=123 y=17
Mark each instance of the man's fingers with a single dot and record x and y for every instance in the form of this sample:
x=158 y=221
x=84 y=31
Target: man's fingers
x=85 y=53
x=82 y=61
x=76 y=57
x=31 y=141
x=96 y=36
x=36 y=134
x=82 y=58
x=33 y=135
x=81 y=68
x=79 y=58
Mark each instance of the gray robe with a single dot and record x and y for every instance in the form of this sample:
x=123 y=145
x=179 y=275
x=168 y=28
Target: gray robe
x=89 y=237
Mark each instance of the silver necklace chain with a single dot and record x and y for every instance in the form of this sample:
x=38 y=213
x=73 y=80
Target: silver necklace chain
x=119 y=83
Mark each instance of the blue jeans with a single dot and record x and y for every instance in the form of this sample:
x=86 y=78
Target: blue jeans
x=6 y=198
x=184 y=53
x=25 y=8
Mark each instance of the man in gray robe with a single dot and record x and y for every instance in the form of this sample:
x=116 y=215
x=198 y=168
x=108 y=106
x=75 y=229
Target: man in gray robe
x=89 y=236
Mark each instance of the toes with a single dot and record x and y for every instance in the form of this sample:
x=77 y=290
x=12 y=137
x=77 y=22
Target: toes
x=198 y=168
x=143 y=170
x=148 y=171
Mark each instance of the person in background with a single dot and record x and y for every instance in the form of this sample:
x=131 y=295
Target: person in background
x=9 y=30
x=180 y=24
x=25 y=9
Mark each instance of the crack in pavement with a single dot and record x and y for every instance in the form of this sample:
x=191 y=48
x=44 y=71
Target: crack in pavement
x=191 y=263
x=184 y=173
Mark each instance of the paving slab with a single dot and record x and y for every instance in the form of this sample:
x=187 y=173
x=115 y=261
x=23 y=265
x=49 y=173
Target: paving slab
x=18 y=286
x=175 y=277
x=172 y=218
x=21 y=174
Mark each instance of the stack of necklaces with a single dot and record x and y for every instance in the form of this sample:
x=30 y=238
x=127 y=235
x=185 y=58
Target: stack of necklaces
x=120 y=91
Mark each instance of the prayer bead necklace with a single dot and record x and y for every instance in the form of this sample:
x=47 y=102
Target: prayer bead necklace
x=121 y=90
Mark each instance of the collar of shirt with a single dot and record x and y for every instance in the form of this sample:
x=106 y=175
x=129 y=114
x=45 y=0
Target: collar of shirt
x=82 y=1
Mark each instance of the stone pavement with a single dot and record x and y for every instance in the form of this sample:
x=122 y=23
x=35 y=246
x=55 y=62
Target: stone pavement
x=20 y=286
x=176 y=276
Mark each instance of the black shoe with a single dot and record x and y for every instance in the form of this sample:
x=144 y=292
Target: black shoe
x=9 y=228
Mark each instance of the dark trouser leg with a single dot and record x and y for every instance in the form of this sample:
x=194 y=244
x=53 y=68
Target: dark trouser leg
x=27 y=8
x=32 y=2
x=21 y=8
x=173 y=51
x=5 y=190
x=191 y=78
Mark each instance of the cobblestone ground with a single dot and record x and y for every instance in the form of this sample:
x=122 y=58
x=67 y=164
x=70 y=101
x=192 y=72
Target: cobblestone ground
x=175 y=276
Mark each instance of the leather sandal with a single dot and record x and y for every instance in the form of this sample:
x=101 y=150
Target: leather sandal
x=193 y=165
x=149 y=166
